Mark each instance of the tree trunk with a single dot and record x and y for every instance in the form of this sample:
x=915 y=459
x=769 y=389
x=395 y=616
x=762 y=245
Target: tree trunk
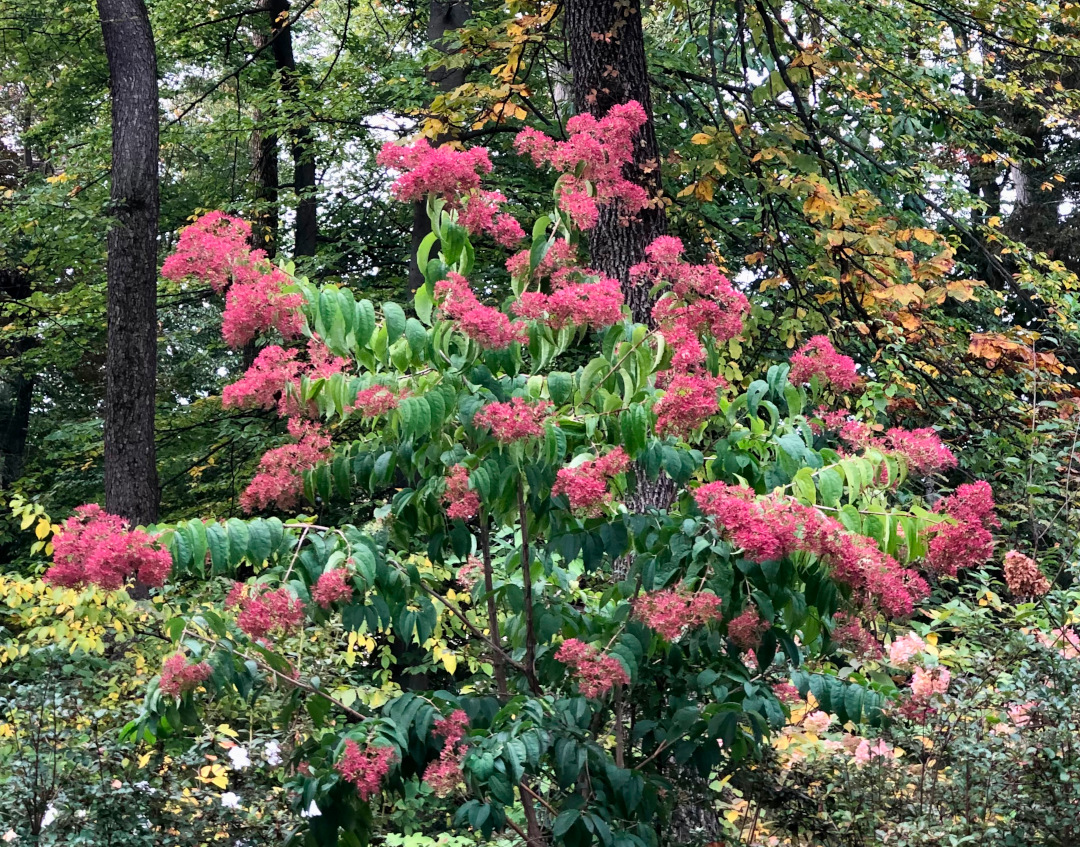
x=444 y=17
x=264 y=169
x=303 y=147
x=16 y=389
x=131 y=481
x=607 y=58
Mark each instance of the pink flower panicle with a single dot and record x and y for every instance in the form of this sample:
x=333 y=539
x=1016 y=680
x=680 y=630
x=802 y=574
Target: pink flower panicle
x=210 y=250
x=592 y=160
x=443 y=171
x=817 y=722
x=967 y=543
x=514 y=421
x=260 y=306
x=471 y=572
x=586 y=485
x=851 y=635
x=264 y=611
x=596 y=672
x=488 y=327
x=926 y=683
x=332 y=587
x=462 y=503
x=787 y=693
x=480 y=213
x=1023 y=576
x=866 y=752
x=444 y=775
x=96 y=548
x=374 y=401
x=177 y=676
x=689 y=400
x=279 y=480
x=771 y=527
x=902 y=650
x=1064 y=640
x=921 y=448
x=264 y=384
x=817 y=357
x=597 y=304
x=674 y=610
x=746 y=630
x=365 y=768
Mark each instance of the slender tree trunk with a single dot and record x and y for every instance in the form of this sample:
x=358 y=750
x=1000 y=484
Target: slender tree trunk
x=264 y=169
x=607 y=58
x=16 y=389
x=444 y=17
x=131 y=481
x=303 y=147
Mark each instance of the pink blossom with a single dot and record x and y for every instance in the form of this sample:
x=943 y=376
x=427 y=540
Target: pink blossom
x=264 y=611
x=597 y=304
x=817 y=722
x=972 y=503
x=442 y=171
x=513 y=421
x=264 y=384
x=819 y=358
x=279 y=480
x=922 y=450
x=746 y=630
x=672 y=611
x=177 y=676
x=592 y=160
x=461 y=502
x=926 y=683
x=365 y=768
x=1023 y=576
x=471 y=572
x=902 y=650
x=586 y=485
x=851 y=635
x=480 y=214
x=866 y=751
x=374 y=401
x=786 y=692
x=596 y=673
x=444 y=775
x=688 y=402
x=96 y=548
x=956 y=546
x=559 y=263
x=488 y=327
x=210 y=250
x=259 y=306
x=333 y=586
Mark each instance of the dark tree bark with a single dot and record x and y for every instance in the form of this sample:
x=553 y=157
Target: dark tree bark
x=264 y=170
x=444 y=17
x=303 y=147
x=131 y=481
x=607 y=60
x=16 y=389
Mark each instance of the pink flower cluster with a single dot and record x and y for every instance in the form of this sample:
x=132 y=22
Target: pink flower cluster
x=925 y=683
x=279 y=480
x=264 y=611
x=216 y=250
x=968 y=542
x=921 y=449
x=461 y=501
x=596 y=672
x=866 y=752
x=365 y=768
x=697 y=302
x=1023 y=576
x=672 y=611
x=514 y=421
x=597 y=304
x=177 y=676
x=817 y=357
x=902 y=650
x=454 y=175
x=591 y=162
x=689 y=400
x=333 y=586
x=444 y=775
x=771 y=527
x=817 y=721
x=264 y=384
x=586 y=485
x=786 y=693
x=851 y=635
x=471 y=572
x=96 y=548
x=487 y=326
x=374 y=401
x=746 y=630
x=1064 y=640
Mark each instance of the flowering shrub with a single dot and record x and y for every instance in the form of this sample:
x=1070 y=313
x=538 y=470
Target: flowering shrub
x=572 y=692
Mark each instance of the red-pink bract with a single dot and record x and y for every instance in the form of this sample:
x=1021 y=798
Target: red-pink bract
x=264 y=611
x=514 y=421
x=673 y=610
x=177 y=676
x=333 y=586
x=817 y=357
x=746 y=630
x=486 y=326
x=461 y=502
x=365 y=768
x=279 y=480
x=596 y=673
x=586 y=485
x=444 y=775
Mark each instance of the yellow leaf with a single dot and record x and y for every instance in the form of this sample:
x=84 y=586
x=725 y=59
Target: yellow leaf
x=144 y=759
x=43 y=529
x=449 y=661
x=27 y=519
x=926 y=236
x=701 y=138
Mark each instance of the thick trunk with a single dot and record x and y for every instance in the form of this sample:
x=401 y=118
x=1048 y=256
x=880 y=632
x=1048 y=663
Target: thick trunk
x=16 y=389
x=443 y=18
x=303 y=148
x=264 y=172
x=607 y=58
x=131 y=482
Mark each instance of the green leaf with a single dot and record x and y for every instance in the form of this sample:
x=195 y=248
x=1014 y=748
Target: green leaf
x=754 y=394
x=564 y=821
x=416 y=335
x=259 y=546
x=423 y=304
x=560 y=387
x=831 y=486
x=365 y=322
x=395 y=321
x=217 y=539
x=238 y=540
